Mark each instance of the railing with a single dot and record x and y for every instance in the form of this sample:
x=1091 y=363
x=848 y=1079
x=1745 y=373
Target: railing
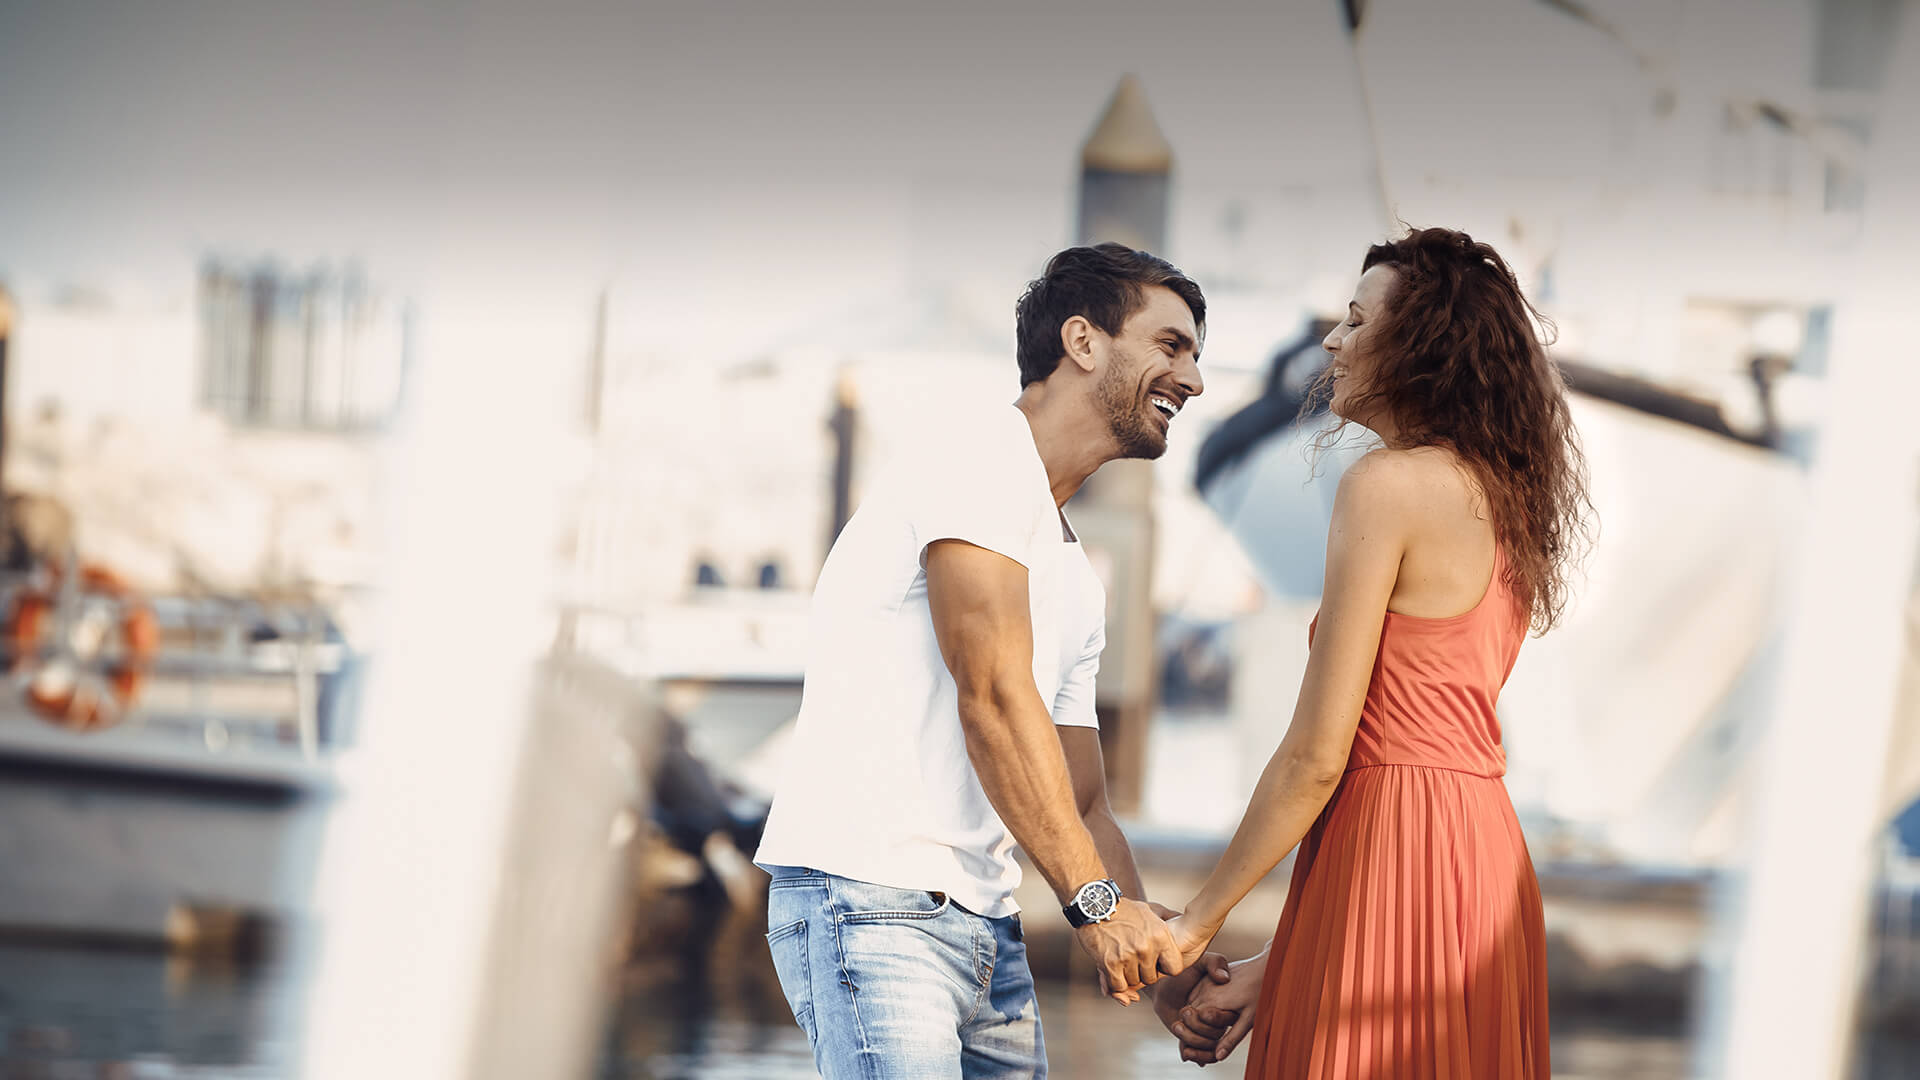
x=231 y=674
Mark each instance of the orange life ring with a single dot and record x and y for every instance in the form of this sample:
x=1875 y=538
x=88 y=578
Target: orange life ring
x=60 y=687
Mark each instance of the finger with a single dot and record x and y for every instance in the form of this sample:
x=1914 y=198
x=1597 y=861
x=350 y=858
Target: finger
x=1210 y=1032
x=1202 y=1058
x=1217 y=969
x=1114 y=977
x=1234 y=1034
x=1214 y=1016
x=1170 y=961
x=1150 y=973
x=1190 y=1037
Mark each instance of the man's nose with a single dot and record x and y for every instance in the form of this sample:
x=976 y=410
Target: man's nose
x=1189 y=378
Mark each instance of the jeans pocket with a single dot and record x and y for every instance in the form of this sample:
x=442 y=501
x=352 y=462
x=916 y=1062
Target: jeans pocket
x=789 y=947
x=862 y=902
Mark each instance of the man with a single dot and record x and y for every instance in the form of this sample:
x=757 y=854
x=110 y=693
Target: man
x=948 y=708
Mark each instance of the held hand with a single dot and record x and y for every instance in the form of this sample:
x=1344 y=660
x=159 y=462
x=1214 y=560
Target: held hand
x=1218 y=1015
x=1132 y=949
x=1132 y=996
x=1190 y=937
x=1170 y=994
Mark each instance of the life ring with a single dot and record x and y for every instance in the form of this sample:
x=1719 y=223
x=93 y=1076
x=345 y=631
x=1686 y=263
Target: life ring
x=60 y=675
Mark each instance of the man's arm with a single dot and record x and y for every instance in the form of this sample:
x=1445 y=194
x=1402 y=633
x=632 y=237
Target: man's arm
x=1088 y=767
x=1088 y=770
x=980 y=617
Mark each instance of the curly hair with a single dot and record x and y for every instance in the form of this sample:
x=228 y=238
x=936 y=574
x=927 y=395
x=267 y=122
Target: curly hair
x=1457 y=362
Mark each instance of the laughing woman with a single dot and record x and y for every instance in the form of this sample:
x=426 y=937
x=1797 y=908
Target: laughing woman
x=1411 y=944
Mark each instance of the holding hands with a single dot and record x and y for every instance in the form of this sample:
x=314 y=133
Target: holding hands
x=1212 y=1017
x=1131 y=949
x=1209 y=1006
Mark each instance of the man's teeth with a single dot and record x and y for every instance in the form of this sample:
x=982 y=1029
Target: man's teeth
x=1166 y=407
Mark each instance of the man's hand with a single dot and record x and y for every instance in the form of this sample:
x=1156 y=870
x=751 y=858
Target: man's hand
x=1218 y=1014
x=1132 y=949
x=1171 y=993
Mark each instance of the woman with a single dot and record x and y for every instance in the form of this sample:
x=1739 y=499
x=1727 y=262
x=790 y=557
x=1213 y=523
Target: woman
x=1411 y=944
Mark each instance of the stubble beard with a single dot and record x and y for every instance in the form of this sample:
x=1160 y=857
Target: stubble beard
x=1134 y=434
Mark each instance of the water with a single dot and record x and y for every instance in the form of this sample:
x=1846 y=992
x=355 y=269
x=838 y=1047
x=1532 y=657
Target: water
x=1086 y=1037
x=86 y=1014
x=105 y=1014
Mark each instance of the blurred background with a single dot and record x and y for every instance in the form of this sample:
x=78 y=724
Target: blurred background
x=421 y=425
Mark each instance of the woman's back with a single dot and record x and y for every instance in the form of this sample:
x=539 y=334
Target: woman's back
x=1451 y=634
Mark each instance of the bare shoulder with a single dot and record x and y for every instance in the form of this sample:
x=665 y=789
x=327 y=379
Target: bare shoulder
x=1404 y=492
x=1376 y=496
x=1398 y=479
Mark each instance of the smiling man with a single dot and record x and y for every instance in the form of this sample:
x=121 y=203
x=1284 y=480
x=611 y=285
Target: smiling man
x=948 y=709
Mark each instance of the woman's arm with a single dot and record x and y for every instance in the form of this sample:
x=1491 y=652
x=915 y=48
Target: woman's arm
x=1365 y=543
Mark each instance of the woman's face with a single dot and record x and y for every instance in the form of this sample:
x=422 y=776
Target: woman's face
x=1350 y=342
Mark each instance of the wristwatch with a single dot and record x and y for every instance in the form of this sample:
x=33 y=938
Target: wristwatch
x=1093 y=902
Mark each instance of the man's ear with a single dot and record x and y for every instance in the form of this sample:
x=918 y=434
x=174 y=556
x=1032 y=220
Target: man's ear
x=1077 y=340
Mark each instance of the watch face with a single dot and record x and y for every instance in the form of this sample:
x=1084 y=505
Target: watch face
x=1096 y=900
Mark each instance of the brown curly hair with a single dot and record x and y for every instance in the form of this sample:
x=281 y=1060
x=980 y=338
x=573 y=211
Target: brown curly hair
x=1457 y=363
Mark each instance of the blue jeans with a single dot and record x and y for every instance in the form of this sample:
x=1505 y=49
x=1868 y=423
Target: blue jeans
x=893 y=984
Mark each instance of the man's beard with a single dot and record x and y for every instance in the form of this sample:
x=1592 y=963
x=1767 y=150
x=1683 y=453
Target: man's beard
x=1136 y=434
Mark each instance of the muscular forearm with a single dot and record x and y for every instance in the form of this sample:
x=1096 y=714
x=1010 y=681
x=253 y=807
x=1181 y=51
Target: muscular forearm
x=1024 y=773
x=1291 y=793
x=1115 y=852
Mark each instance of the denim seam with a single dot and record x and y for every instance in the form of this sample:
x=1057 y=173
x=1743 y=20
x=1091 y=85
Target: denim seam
x=866 y=1051
x=984 y=991
x=798 y=928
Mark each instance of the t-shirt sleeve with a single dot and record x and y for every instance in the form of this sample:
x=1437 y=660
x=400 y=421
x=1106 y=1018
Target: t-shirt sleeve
x=979 y=499
x=1073 y=704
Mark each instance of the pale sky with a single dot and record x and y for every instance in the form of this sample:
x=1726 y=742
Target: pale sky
x=587 y=137
x=758 y=166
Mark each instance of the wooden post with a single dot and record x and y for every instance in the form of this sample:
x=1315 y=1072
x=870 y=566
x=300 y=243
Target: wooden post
x=1126 y=171
x=844 y=425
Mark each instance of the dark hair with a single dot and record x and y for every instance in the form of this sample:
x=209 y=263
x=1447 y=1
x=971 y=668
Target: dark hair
x=1107 y=283
x=1456 y=361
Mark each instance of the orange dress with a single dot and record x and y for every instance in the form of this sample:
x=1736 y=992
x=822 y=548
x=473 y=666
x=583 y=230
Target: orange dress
x=1412 y=944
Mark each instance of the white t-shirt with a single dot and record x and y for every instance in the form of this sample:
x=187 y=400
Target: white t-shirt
x=877 y=785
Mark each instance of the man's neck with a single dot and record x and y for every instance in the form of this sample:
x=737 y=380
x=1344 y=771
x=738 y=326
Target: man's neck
x=1072 y=442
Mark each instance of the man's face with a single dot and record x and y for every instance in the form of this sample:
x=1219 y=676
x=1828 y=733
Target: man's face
x=1152 y=368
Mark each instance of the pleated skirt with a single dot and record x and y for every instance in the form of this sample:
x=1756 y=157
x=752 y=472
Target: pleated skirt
x=1412 y=944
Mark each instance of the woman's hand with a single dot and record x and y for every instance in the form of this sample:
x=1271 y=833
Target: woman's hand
x=1191 y=936
x=1219 y=1014
x=1171 y=993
